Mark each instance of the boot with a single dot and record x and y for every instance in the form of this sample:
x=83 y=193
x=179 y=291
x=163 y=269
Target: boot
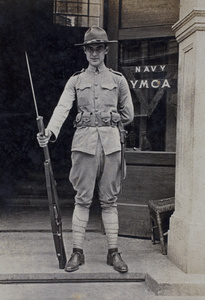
x=114 y=259
x=77 y=259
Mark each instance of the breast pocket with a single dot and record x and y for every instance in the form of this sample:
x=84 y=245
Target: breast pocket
x=83 y=94
x=109 y=93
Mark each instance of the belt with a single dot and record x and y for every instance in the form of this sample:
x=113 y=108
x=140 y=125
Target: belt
x=100 y=119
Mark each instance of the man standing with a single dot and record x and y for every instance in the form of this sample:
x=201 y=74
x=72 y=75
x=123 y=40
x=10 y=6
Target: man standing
x=103 y=100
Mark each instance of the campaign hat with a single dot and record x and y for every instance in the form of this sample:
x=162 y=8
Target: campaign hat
x=95 y=35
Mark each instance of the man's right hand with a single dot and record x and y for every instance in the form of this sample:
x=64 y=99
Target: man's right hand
x=44 y=139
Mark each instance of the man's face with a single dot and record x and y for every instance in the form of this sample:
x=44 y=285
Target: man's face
x=95 y=54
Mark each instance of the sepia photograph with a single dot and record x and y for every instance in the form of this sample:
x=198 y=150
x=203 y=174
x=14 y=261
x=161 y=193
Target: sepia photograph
x=102 y=149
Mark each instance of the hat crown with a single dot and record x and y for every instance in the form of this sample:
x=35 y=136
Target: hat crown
x=95 y=33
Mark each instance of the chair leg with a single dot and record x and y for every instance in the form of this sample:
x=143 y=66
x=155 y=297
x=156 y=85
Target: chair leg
x=152 y=227
x=161 y=235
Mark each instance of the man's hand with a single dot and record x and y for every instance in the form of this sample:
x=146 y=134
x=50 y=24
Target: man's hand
x=44 y=139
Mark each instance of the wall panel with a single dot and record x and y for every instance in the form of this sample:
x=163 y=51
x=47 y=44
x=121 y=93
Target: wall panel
x=138 y=13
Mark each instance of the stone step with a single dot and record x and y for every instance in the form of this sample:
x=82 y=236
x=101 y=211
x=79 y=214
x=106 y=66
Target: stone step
x=64 y=277
x=73 y=291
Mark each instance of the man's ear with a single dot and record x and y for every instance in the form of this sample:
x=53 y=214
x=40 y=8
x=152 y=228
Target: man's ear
x=107 y=49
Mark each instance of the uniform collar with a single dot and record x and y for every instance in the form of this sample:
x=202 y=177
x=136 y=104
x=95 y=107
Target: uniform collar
x=94 y=69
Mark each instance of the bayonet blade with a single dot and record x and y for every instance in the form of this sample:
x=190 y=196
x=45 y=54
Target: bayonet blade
x=31 y=82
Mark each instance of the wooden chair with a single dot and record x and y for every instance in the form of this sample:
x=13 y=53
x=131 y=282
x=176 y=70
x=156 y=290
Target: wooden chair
x=160 y=213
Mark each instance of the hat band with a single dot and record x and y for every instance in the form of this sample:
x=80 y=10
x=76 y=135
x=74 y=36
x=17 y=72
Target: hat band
x=95 y=41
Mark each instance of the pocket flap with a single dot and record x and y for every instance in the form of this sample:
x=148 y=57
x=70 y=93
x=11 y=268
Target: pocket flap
x=86 y=117
x=82 y=86
x=115 y=117
x=105 y=116
x=109 y=86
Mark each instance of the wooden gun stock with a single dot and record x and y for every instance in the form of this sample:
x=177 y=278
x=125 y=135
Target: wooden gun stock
x=53 y=202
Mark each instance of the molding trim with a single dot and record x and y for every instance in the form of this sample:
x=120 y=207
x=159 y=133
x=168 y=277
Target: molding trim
x=194 y=21
x=146 y=32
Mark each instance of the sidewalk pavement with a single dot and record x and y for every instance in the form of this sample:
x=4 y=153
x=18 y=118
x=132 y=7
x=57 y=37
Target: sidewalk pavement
x=28 y=257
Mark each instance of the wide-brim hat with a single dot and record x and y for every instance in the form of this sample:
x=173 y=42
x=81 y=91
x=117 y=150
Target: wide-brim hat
x=95 y=35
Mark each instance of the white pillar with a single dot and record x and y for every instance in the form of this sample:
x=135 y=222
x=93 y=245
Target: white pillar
x=186 y=239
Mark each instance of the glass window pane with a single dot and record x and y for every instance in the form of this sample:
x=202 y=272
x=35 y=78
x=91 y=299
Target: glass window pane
x=95 y=1
x=82 y=22
x=61 y=7
x=94 y=21
x=150 y=67
x=94 y=10
x=79 y=13
x=83 y=9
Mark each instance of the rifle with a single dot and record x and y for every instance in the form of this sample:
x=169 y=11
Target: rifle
x=54 y=209
x=123 y=133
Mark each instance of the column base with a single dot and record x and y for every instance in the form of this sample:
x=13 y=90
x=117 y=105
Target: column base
x=186 y=244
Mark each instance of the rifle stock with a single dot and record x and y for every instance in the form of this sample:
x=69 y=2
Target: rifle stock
x=55 y=214
x=53 y=202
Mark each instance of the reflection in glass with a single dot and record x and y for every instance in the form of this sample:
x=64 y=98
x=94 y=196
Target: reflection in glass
x=77 y=13
x=150 y=66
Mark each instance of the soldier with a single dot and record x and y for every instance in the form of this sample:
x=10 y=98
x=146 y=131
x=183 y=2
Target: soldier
x=103 y=100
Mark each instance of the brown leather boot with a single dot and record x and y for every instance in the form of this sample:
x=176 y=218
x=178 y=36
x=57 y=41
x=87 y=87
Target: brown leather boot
x=77 y=259
x=114 y=259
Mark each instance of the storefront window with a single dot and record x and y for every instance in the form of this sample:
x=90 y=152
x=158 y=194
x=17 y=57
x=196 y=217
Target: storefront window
x=78 y=13
x=150 y=66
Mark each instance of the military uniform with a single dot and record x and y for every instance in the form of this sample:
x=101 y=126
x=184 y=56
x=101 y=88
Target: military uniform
x=103 y=100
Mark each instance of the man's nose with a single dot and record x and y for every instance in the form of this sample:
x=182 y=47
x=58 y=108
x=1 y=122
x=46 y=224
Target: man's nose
x=94 y=52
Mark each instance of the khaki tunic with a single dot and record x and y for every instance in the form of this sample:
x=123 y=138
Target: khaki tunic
x=99 y=93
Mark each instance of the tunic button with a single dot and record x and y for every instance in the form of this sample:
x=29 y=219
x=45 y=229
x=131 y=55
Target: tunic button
x=96 y=97
x=96 y=84
x=96 y=110
x=96 y=122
